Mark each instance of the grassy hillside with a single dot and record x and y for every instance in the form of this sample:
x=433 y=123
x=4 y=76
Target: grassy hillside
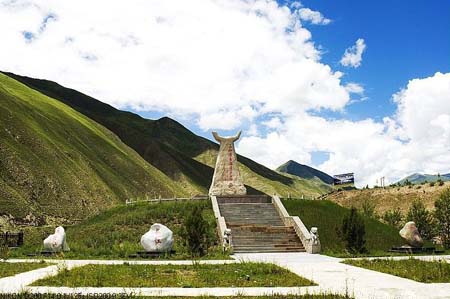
x=389 y=198
x=116 y=233
x=418 y=178
x=327 y=216
x=180 y=154
x=55 y=161
x=305 y=171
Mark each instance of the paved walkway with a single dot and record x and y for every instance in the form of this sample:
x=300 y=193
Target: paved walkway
x=330 y=275
x=335 y=277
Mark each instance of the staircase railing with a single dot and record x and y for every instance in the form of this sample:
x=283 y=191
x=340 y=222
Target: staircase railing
x=310 y=240
x=224 y=232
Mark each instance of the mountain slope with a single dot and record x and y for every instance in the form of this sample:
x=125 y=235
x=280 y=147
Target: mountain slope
x=57 y=162
x=180 y=154
x=418 y=178
x=304 y=171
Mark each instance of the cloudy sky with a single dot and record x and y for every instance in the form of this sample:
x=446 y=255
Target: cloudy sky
x=344 y=86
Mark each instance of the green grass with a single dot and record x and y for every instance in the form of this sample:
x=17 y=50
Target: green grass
x=421 y=271
x=56 y=163
x=327 y=216
x=116 y=233
x=186 y=276
x=10 y=269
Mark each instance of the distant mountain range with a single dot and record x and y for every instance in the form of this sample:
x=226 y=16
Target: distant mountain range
x=305 y=171
x=66 y=154
x=418 y=178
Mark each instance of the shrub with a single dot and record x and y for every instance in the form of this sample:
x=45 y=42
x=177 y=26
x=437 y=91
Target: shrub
x=442 y=216
x=353 y=232
x=393 y=217
x=368 y=208
x=195 y=232
x=440 y=182
x=422 y=218
x=432 y=184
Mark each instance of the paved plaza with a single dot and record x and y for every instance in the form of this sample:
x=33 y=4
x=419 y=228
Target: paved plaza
x=330 y=275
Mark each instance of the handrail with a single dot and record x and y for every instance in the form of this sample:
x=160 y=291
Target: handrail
x=310 y=242
x=224 y=232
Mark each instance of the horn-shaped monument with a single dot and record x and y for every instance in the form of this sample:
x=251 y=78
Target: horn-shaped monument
x=227 y=178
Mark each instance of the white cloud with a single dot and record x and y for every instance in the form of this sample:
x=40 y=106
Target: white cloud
x=204 y=58
x=353 y=55
x=312 y=16
x=417 y=139
x=224 y=64
x=353 y=87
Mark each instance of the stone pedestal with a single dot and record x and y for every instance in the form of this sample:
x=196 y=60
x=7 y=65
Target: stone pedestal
x=227 y=178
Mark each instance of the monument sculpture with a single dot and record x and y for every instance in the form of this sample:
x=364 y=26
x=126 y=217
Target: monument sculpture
x=57 y=241
x=227 y=178
x=158 y=239
x=411 y=235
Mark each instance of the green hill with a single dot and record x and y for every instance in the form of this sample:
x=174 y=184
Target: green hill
x=305 y=171
x=418 y=178
x=183 y=156
x=327 y=216
x=56 y=162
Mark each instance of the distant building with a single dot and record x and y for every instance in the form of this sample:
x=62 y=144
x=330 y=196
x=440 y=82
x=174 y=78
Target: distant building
x=344 y=179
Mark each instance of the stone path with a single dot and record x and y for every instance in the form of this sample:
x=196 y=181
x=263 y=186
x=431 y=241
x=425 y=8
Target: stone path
x=330 y=275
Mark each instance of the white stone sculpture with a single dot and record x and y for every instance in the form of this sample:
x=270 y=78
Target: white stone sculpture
x=411 y=235
x=57 y=241
x=314 y=236
x=227 y=178
x=158 y=239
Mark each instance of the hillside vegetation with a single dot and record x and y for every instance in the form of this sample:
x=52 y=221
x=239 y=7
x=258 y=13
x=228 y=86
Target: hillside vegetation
x=305 y=171
x=116 y=233
x=183 y=156
x=56 y=162
x=389 y=198
x=328 y=216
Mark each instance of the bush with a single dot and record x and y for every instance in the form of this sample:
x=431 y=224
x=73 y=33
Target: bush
x=196 y=232
x=393 y=217
x=353 y=232
x=368 y=208
x=422 y=218
x=440 y=182
x=432 y=184
x=442 y=215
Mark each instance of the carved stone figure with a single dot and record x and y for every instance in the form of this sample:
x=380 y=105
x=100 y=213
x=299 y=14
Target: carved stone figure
x=411 y=235
x=227 y=178
x=314 y=236
x=158 y=239
x=57 y=241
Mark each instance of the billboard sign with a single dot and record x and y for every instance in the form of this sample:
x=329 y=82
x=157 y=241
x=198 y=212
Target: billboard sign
x=345 y=178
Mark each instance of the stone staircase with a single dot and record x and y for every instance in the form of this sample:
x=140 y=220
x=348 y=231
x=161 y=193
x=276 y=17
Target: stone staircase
x=256 y=225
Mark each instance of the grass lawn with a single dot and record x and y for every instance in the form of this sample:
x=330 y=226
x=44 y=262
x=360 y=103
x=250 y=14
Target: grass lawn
x=421 y=271
x=189 y=276
x=327 y=216
x=10 y=269
x=116 y=233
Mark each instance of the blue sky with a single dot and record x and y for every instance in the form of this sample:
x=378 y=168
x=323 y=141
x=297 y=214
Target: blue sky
x=311 y=81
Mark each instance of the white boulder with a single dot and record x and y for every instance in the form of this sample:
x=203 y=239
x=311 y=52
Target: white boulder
x=158 y=239
x=57 y=241
x=411 y=235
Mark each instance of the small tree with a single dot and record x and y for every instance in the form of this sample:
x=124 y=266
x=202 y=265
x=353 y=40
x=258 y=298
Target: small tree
x=368 y=208
x=393 y=217
x=442 y=215
x=353 y=232
x=196 y=232
x=422 y=218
